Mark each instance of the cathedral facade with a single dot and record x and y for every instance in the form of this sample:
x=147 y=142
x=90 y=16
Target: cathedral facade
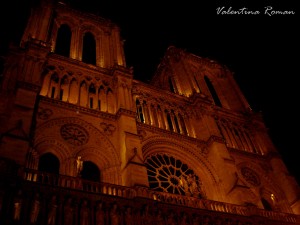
x=84 y=143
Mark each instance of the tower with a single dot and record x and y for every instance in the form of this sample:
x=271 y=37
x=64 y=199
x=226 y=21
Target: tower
x=76 y=125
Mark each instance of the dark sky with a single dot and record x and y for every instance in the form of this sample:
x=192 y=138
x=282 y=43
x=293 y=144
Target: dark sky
x=262 y=50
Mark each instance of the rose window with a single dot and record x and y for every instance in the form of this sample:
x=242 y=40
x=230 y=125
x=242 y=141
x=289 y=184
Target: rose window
x=167 y=174
x=74 y=134
x=250 y=176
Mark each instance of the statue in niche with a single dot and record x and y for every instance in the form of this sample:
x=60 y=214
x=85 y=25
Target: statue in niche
x=159 y=219
x=79 y=165
x=114 y=215
x=68 y=212
x=100 y=214
x=190 y=185
x=84 y=213
x=207 y=220
x=17 y=206
x=184 y=184
x=146 y=217
x=171 y=219
x=128 y=216
x=35 y=209
x=195 y=220
x=52 y=211
x=183 y=220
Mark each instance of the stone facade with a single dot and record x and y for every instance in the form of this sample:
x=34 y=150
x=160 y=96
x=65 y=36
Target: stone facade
x=83 y=142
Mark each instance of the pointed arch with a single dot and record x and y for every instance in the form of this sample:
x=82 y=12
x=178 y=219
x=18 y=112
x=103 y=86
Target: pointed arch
x=212 y=91
x=182 y=125
x=63 y=40
x=90 y=171
x=73 y=91
x=92 y=97
x=176 y=123
x=169 y=120
x=188 y=155
x=89 y=48
x=46 y=84
x=54 y=88
x=171 y=85
x=110 y=101
x=49 y=163
x=139 y=108
x=266 y=204
x=102 y=101
x=83 y=94
x=64 y=89
x=98 y=148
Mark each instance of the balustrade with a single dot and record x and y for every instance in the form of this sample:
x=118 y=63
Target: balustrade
x=80 y=191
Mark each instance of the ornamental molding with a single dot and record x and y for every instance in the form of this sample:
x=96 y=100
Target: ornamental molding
x=74 y=134
x=78 y=109
x=157 y=145
x=266 y=181
x=44 y=113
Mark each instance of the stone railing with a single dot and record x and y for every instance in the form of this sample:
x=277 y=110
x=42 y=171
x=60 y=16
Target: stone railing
x=78 y=184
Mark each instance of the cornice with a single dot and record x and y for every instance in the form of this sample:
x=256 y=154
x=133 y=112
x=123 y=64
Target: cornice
x=86 y=15
x=28 y=86
x=242 y=153
x=125 y=112
x=62 y=61
x=171 y=135
x=78 y=109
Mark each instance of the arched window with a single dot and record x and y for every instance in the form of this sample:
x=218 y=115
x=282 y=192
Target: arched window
x=266 y=204
x=49 y=163
x=172 y=88
x=64 y=89
x=168 y=174
x=169 y=120
x=176 y=122
x=89 y=49
x=110 y=101
x=139 y=112
x=92 y=96
x=54 y=86
x=198 y=86
x=83 y=94
x=90 y=171
x=102 y=103
x=63 y=40
x=182 y=123
x=212 y=91
x=73 y=97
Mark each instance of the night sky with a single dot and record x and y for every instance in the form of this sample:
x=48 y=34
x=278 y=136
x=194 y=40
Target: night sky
x=261 y=50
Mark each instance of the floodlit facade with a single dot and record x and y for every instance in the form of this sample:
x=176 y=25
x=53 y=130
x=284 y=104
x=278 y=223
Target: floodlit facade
x=84 y=143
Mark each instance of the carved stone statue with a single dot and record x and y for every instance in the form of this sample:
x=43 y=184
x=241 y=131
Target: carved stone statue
x=79 y=165
x=68 y=212
x=184 y=184
x=35 y=209
x=52 y=211
x=128 y=216
x=159 y=219
x=146 y=217
x=17 y=207
x=84 y=213
x=100 y=214
x=183 y=219
x=114 y=215
x=190 y=185
x=170 y=219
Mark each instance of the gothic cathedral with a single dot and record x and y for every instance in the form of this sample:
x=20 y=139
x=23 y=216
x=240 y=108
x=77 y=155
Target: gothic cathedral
x=84 y=143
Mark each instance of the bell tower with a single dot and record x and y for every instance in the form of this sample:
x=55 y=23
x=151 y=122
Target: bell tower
x=71 y=56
